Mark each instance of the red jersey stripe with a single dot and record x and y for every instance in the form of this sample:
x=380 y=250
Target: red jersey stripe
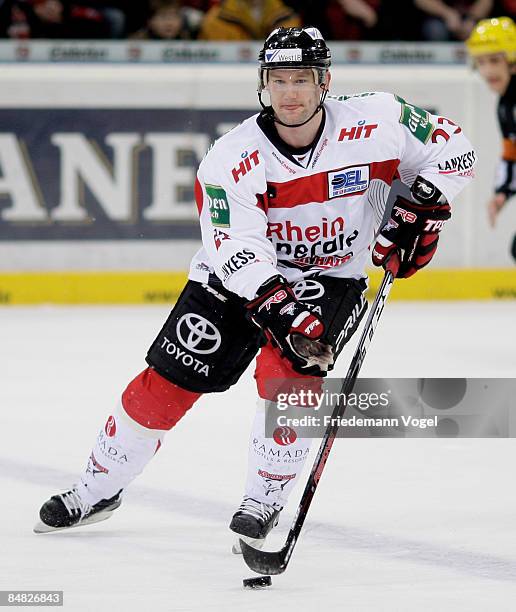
x=198 y=196
x=308 y=189
x=386 y=170
x=299 y=191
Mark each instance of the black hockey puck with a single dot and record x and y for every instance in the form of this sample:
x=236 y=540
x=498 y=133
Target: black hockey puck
x=257 y=583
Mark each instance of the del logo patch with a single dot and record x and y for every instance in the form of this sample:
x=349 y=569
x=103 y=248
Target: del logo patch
x=348 y=181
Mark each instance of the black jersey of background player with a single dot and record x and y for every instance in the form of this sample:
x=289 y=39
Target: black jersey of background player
x=507 y=120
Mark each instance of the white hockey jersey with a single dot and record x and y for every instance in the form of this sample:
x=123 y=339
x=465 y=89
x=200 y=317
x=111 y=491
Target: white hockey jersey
x=264 y=210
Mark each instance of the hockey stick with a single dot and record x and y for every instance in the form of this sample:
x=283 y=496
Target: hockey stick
x=267 y=563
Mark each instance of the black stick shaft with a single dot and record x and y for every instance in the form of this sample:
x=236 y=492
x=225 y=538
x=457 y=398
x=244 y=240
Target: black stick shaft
x=338 y=411
x=275 y=563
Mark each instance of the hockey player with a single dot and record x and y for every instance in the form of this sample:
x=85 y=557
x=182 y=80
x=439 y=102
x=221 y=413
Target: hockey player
x=492 y=45
x=290 y=202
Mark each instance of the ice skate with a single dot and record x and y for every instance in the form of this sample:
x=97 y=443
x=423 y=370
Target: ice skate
x=67 y=510
x=252 y=522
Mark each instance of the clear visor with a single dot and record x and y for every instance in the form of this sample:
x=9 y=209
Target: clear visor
x=283 y=79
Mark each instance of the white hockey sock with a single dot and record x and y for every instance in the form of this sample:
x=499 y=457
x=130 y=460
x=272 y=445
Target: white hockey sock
x=274 y=464
x=123 y=448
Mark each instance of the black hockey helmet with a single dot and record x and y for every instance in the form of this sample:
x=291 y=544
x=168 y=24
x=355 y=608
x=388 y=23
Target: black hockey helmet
x=294 y=48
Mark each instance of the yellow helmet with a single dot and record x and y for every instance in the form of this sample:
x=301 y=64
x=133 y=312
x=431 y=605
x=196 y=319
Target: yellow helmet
x=497 y=35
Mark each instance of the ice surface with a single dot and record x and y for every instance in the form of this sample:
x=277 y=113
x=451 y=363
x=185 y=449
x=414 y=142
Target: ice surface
x=417 y=524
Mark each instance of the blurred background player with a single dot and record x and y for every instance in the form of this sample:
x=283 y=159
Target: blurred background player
x=292 y=198
x=492 y=45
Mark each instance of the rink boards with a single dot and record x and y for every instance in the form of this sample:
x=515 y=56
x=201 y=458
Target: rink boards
x=164 y=287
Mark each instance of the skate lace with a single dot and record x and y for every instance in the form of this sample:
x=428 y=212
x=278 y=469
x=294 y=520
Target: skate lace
x=74 y=504
x=259 y=510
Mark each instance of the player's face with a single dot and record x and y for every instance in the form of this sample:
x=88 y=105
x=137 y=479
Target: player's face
x=494 y=69
x=294 y=94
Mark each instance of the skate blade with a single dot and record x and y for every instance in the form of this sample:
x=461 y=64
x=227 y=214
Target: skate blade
x=254 y=542
x=40 y=527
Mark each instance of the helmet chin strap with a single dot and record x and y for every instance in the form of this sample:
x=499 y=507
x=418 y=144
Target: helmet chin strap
x=270 y=111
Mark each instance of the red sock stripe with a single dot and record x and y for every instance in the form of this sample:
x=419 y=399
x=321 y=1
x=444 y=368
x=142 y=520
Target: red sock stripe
x=154 y=402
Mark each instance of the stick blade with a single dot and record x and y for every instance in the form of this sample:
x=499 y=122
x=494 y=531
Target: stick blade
x=263 y=562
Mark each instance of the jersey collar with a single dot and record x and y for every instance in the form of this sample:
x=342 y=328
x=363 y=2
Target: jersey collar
x=268 y=127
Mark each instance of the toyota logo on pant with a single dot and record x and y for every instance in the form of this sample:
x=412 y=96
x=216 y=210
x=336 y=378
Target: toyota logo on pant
x=308 y=290
x=197 y=334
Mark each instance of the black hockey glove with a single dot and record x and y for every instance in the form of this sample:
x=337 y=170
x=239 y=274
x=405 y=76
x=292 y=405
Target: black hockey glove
x=290 y=326
x=413 y=229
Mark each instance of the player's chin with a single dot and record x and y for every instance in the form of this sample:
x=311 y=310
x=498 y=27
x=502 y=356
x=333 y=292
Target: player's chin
x=497 y=85
x=292 y=117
